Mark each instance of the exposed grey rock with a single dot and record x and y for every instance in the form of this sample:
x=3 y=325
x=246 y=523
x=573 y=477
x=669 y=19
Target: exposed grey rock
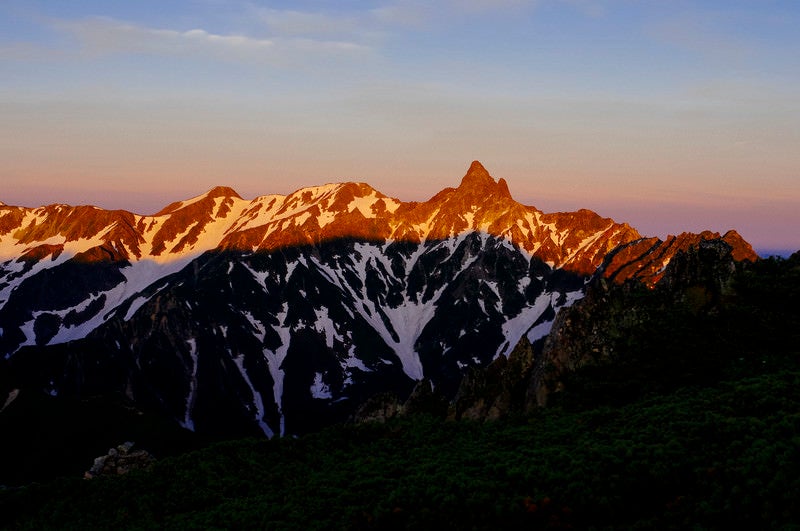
x=497 y=390
x=119 y=461
x=379 y=408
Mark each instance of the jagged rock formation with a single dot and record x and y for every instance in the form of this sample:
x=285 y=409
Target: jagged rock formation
x=119 y=461
x=646 y=259
x=280 y=314
x=386 y=406
x=696 y=280
x=497 y=390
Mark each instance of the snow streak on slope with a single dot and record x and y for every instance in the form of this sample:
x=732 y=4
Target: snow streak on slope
x=187 y=422
x=257 y=399
x=275 y=360
x=398 y=326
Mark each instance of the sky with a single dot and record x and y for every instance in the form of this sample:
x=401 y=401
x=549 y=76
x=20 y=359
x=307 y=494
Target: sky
x=671 y=115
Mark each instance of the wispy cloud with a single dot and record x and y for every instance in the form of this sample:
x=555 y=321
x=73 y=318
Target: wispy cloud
x=263 y=34
x=363 y=26
x=100 y=36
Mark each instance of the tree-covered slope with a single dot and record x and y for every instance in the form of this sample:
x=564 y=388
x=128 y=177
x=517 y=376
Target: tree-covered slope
x=714 y=457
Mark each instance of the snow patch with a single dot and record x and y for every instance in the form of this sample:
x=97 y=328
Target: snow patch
x=325 y=325
x=319 y=389
x=275 y=360
x=261 y=331
x=539 y=331
x=406 y=321
x=365 y=204
x=515 y=327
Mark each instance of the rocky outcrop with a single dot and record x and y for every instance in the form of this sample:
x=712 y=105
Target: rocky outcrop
x=646 y=259
x=379 y=408
x=12 y=395
x=119 y=461
x=386 y=406
x=485 y=394
x=497 y=390
x=696 y=278
x=593 y=331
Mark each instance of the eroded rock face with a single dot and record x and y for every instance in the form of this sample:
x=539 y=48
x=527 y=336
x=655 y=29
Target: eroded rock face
x=386 y=406
x=646 y=259
x=380 y=408
x=696 y=278
x=485 y=394
x=591 y=332
x=119 y=461
x=497 y=390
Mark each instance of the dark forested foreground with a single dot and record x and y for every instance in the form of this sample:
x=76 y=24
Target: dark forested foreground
x=712 y=443
x=718 y=457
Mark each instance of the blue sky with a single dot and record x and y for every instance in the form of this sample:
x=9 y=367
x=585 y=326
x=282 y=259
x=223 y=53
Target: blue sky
x=670 y=115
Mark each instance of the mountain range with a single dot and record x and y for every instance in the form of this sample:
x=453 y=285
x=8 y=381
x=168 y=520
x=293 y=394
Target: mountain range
x=281 y=314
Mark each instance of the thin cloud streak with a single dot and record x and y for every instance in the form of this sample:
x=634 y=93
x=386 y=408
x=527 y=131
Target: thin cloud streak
x=365 y=27
x=100 y=36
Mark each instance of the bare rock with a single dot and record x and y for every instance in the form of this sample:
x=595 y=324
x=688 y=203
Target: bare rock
x=120 y=460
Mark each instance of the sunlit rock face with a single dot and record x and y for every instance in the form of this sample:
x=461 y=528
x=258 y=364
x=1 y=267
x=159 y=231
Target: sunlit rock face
x=647 y=259
x=282 y=313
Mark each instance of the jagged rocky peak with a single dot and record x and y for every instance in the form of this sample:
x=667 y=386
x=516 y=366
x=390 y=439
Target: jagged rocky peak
x=478 y=181
x=477 y=173
x=740 y=249
x=646 y=259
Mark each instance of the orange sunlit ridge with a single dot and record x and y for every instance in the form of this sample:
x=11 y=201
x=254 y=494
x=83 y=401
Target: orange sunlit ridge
x=220 y=219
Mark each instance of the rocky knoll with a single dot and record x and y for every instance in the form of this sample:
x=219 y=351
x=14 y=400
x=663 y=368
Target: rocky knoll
x=601 y=328
x=119 y=461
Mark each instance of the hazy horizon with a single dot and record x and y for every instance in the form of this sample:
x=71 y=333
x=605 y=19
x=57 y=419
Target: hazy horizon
x=672 y=117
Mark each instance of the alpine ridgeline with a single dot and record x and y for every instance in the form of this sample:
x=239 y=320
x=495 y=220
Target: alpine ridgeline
x=284 y=313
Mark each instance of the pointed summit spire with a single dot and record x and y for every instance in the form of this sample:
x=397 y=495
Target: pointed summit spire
x=478 y=181
x=477 y=176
